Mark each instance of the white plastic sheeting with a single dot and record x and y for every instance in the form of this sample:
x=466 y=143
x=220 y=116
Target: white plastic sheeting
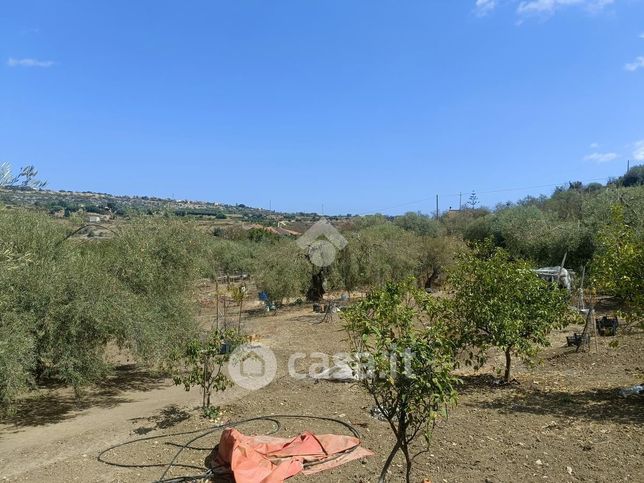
x=556 y=274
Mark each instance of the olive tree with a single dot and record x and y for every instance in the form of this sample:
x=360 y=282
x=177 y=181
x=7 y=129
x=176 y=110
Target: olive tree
x=378 y=254
x=500 y=302
x=16 y=341
x=62 y=302
x=406 y=366
x=282 y=270
x=26 y=178
x=418 y=223
x=225 y=257
x=437 y=256
x=155 y=262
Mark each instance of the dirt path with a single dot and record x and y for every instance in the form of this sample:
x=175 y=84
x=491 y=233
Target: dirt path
x=52 y=428
x=84 y=433
x=563 y=422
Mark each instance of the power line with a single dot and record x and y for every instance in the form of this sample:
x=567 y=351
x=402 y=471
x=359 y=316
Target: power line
x=459 y=195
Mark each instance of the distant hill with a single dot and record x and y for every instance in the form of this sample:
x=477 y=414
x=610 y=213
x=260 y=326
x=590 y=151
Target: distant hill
x=64 y=203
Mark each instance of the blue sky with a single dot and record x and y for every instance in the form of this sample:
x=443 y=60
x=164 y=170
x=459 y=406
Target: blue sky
x=360 y=106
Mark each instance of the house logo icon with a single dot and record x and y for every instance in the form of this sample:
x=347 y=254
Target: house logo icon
x=321 y=242
x=252 y=366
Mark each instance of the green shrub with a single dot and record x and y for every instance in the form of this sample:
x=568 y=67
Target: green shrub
x=62 y=301
x=395 y=332
x=282 y=270
x=500 y=302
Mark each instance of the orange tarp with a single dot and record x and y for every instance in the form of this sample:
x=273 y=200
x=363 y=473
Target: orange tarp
x=267 y=459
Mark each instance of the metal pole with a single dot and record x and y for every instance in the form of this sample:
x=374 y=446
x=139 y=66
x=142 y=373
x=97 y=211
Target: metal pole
x=582 y=304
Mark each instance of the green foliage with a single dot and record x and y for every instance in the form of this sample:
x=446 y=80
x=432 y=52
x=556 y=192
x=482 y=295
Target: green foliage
x=345 y=272
x=500 y=302
x=228 y=257
x=543 y=229
x=634 y=177
x=618 y=266
x=16 y=344
x=436 y=256
x=259 y=235
x=456 y=222
x=378 y=254
x=418 y=223
x=202 y=361
x=156 y=262
x=26 y=178
x=472 y=201
x=385 y=252
x=528 y=232
x=567 y=204
x=362 y=222
x=282 y=270
x=396 y=333
x=64 y=301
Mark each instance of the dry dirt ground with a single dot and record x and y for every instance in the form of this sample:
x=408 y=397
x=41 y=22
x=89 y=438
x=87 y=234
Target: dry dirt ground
x=562 y=422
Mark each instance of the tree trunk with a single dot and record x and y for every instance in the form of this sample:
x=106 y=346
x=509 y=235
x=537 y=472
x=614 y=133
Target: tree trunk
x=315 y=293
x=400 y=433
x=241 y=305
x=204 y=384
x=432 y=278
x=217 y=303
x=408 y=462
x=508 y=363
x=383 y=473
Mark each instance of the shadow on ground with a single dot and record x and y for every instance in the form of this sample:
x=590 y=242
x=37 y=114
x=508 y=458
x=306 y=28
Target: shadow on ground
x=56 y=404
x=476 y=383
x=590 y=405
x=168 y=417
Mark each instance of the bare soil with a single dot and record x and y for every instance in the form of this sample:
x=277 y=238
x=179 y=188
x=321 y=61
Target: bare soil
x=562 y=421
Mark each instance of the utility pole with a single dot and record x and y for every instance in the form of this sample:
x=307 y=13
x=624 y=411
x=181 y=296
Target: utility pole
x=460 y=199
x=437 y=207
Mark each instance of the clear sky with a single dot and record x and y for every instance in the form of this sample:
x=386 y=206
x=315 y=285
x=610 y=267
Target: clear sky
x=359 y=106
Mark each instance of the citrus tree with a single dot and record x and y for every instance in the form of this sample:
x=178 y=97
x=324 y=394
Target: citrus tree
x=404 y=363
x=239 y=295
x=500 y=302
x=618 y=265
x=201 y=363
